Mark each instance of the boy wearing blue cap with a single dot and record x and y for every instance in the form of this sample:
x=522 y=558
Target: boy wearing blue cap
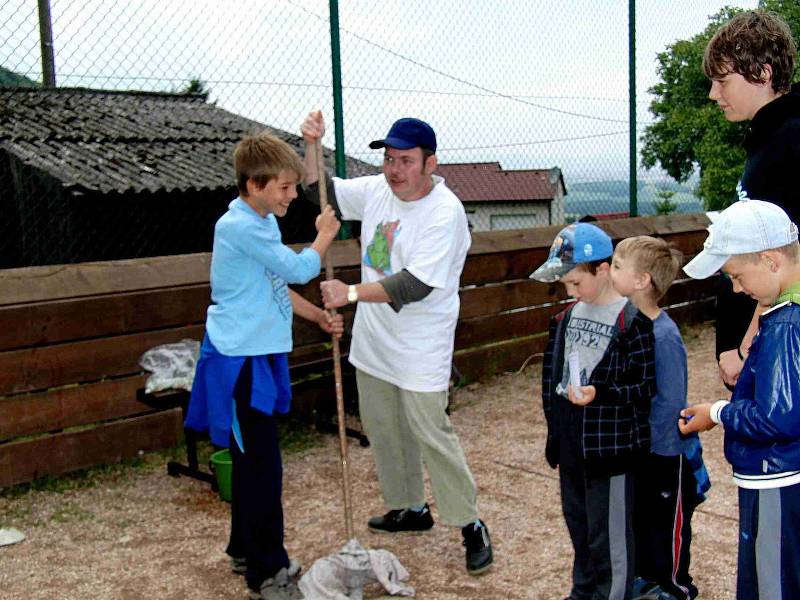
x=598 y=377
x=414 y=243
x=755 y=244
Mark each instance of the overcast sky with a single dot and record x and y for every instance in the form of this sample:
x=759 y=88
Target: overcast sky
x=531 y=83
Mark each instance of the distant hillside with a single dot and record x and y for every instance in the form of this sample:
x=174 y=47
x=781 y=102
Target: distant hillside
x=12 y=79
x=597 y=197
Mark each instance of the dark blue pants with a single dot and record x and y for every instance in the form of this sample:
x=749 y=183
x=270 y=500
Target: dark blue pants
x=598 y=511
x=769 y=544
x=666 y=496
x=256 y=511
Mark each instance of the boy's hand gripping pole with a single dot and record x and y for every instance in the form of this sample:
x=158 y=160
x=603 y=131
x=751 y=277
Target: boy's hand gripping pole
x=337 y=359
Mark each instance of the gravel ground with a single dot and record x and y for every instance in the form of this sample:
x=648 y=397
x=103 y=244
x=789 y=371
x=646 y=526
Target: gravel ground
x=136 y=533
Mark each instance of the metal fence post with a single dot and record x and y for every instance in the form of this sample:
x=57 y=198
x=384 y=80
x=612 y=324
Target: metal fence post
x=46 y=36
x=338 y=116
x=336 y=64
x=633 y=183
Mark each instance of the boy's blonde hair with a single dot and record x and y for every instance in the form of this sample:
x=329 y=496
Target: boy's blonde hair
x=790 y=251
x=654 y=256
x=262 y=157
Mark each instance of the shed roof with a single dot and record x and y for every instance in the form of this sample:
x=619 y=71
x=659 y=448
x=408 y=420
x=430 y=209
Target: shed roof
x=488 y=182
x=111 y=141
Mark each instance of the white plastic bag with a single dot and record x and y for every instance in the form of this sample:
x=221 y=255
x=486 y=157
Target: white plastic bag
x=172 y=366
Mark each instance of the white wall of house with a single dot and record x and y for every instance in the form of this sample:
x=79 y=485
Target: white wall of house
x=495 y=216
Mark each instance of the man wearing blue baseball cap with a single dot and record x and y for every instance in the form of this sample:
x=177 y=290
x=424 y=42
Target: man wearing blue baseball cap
x=414 y=243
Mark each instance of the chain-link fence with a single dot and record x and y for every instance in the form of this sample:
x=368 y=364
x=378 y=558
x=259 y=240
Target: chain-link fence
x=536 y=93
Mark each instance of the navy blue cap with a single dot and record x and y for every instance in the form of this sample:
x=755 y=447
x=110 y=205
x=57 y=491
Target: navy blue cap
x=575 y=244
x=408 y=133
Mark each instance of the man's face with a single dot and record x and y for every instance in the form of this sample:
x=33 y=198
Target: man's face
x=275 y=197
x=407 y=173
x=754 y=278
x=624 y=277
x=739 y=99
x=582 y=285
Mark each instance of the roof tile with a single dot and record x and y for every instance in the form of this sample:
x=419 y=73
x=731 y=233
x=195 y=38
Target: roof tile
x=488 y=182
x=110 y=141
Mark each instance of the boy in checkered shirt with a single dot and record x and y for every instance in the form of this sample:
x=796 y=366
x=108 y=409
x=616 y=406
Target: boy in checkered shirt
x=597 y=417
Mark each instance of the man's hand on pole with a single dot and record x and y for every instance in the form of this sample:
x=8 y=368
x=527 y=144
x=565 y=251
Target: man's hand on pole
x=334 y=293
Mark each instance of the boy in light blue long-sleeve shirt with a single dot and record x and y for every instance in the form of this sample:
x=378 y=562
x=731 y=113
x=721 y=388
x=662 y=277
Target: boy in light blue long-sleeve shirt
x=242 y=377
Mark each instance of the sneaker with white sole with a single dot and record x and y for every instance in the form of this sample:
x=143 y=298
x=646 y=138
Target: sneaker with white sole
x=479 y=547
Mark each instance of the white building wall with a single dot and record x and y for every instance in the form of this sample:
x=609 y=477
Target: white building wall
x=496 y=216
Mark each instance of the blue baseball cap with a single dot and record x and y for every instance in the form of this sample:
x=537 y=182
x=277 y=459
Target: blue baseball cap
x=575 y=244
x=408 y=133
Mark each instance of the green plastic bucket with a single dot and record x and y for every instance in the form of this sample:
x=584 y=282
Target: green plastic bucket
x=222 y=465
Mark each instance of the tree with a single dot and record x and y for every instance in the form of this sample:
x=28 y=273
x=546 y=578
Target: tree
x=196 y=87
x=12 y=79
x=665 y=206
x=690 y=132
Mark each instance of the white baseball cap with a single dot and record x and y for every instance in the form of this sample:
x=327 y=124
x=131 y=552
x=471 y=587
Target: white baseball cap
x=744 y=227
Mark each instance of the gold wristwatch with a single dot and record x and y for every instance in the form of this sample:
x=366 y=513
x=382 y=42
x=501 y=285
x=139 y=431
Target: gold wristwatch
x=352 y=294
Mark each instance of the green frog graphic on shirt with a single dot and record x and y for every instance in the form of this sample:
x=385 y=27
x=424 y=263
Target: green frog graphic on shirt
x=379 y=252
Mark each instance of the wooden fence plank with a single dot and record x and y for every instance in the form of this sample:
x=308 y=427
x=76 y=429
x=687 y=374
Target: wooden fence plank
x=693 y=312
x=64 y=452
x=479 y=363
x=689 y=290
x=491 y=299
x=28 y=414
x=36 y=369
x=107 y=315
x=35 y=284
x=503 y=327
x=38 y=284
x=481 y=269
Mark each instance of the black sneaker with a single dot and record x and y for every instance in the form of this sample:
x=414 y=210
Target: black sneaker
x=402 y=520
x=479 y=547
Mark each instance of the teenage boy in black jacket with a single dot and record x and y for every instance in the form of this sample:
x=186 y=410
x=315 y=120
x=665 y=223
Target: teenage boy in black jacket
x=750 y=61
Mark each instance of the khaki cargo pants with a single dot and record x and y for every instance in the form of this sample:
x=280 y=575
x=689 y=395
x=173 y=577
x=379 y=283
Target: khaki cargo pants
x=406 y=430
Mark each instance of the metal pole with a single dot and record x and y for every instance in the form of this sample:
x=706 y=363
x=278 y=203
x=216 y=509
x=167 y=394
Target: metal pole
x=46 y=37
x=336 y=64
x=633 y=183
x=338 y=110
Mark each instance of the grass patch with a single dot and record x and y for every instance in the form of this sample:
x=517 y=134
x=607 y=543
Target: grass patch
x=69 y=482
x=70 y=513
x=298 y=436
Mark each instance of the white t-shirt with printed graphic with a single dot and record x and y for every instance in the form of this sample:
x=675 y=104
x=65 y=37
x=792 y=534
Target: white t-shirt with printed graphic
x=429 y=237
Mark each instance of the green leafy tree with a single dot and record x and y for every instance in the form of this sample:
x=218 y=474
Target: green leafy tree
x=12 y=79
x=196 y=86
x=690 y=132
x=665 y=205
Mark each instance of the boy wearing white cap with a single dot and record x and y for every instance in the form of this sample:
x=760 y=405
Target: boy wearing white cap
x=598 y=377
x=755 y=244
